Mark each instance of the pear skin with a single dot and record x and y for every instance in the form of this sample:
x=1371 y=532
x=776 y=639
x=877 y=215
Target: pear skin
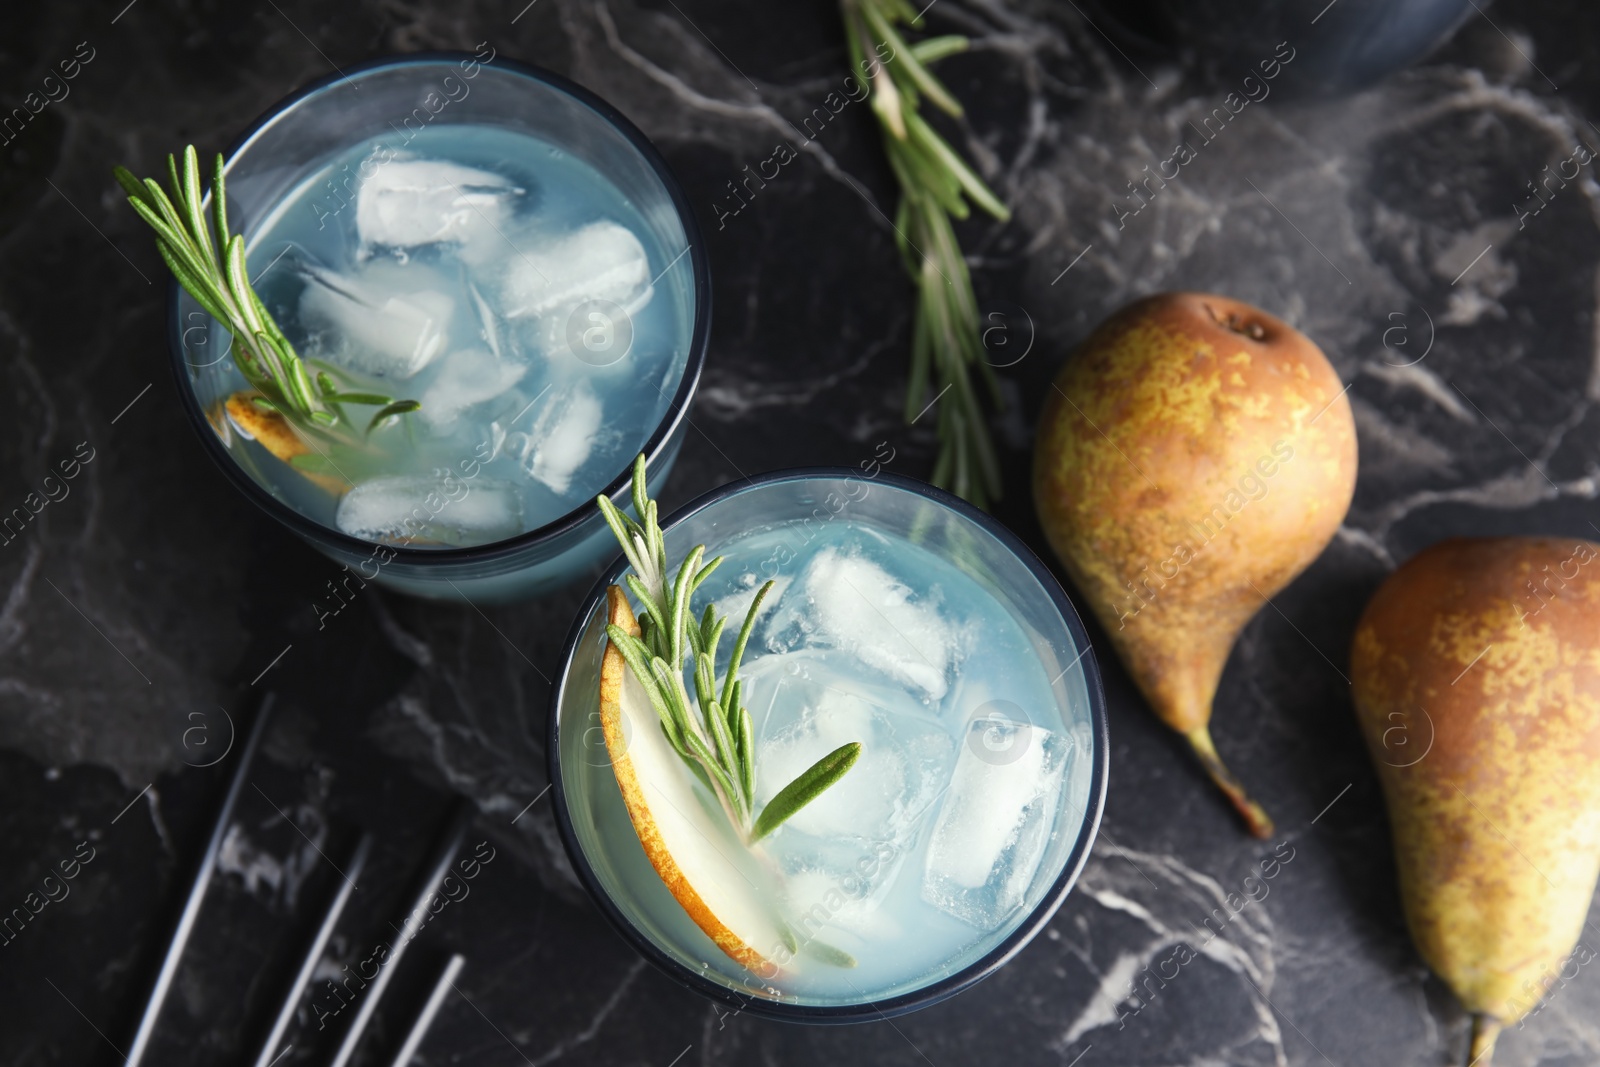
x=1476 y=676
x=1193 y=457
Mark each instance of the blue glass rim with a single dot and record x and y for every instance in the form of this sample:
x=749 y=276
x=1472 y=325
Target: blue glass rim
x=677 y=410
x=934 y=992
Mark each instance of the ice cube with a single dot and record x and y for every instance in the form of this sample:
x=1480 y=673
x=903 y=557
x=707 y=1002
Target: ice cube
x=736 y=605
x=410 y=202
x=840 y=854
x=563 y=436
x=548 y=278
x=440 y=507
x=466 y=378
x=806 y=712
x=840 y=886
x=844 y=600
x=377 y=322
x=490 y=328
x=997 y=818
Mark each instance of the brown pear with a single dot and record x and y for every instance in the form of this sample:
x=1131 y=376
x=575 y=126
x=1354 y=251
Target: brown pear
x=1476 y=676
x=1194 y=455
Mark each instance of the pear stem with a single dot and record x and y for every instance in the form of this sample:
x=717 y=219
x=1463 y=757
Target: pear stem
x=1255 y=816
x=1485 y=1029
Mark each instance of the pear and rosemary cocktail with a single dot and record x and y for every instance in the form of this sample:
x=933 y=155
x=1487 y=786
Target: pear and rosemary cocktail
x=440 y=346
x=829 y=764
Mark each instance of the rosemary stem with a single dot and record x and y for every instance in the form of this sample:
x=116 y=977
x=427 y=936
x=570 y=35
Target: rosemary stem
x=935 y=185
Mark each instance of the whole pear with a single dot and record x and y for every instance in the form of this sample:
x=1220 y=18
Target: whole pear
x=1476 y=675
x=1194 y=455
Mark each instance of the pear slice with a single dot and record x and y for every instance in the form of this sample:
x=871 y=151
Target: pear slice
x=272 y=431
x=706 y=868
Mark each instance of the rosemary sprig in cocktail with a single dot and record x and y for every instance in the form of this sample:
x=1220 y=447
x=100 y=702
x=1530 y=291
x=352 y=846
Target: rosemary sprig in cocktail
x=212 y=269
x=718 y=743
x=935 y=185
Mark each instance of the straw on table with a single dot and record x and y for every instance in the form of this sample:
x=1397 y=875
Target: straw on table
x=444 y=854
x=419 y=1029
x=197 y=888
x=270 y=1053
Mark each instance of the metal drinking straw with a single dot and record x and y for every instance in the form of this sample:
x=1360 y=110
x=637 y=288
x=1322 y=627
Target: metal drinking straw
x=270 y=1053
x=197 y=888
x=444 y=855
x=419 y=1029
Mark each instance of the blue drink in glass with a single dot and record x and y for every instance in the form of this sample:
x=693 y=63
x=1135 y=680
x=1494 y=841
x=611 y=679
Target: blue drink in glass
x=507 y=286
x=496 y=244
x=902 y=620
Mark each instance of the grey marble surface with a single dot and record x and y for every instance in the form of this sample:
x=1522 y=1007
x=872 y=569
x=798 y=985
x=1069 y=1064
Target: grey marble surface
x=1385 y=225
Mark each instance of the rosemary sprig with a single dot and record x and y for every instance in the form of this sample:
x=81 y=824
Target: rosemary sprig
x=212 y=269
x=718 y=743
x=935 y=185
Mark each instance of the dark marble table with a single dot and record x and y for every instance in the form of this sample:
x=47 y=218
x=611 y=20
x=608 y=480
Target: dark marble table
x=150 y=598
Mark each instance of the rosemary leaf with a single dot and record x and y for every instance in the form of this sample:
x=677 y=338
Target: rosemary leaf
x=204 y=293
x=908 y=63
x=637 y=658
x=671 y=682
x=619 y=524
x=854 y=33
x=392 y=411
x=641 y=501
x=653 y=612
x=923 y=135
x=733 y=706
x=713 y=637
x=727 y=752
x=313 y=463
x=729 y=797
x=680 y=602
x=923 y=170
x=705 y=686
x=164 y=232
x=826 y=953
x=696 y=636
x=806 y=788
x=902 y=223
x=219 y=200
x=267 y=348
x=272 y=330
x=238 y=278
x=705 y=572
x=744 y=638
x=132 y=185
x=163 y=207
x=172 y=176
x=331 y=371
x=299 y=380
x=932 y=49
x=904 y=11
x=747 y=754
x=191 y=203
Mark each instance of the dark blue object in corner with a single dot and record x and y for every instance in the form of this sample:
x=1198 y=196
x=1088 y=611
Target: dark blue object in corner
x=1338 y=47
